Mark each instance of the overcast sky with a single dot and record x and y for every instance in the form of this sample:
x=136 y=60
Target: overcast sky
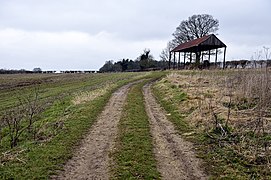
x=83 y=34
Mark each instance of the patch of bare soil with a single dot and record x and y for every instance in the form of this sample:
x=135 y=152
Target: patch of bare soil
x=175 y=156
x=91 y=159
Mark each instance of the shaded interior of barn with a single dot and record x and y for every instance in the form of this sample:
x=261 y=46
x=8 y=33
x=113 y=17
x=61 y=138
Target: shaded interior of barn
x=206 y=45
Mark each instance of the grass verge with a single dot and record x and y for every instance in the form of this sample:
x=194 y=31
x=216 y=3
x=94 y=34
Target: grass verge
x=221 y=158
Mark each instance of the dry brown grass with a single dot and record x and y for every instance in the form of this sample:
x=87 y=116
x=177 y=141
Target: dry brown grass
x=87 y=96
x=237 y=103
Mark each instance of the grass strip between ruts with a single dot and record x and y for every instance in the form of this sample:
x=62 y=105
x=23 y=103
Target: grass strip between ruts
x=133 y=157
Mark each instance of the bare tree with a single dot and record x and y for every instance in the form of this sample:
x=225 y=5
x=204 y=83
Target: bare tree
x=164 y=56
x=266 y=52
x=33 y=108
x=258 y=55
x=14 y=121
x=195 y=27
x=22 y=117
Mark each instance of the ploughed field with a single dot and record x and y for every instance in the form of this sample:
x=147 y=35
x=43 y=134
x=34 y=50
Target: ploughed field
x=150 y=125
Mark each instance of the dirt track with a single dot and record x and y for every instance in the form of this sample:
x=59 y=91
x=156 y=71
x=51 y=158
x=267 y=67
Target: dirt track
x=174 y=155
x=91 y=160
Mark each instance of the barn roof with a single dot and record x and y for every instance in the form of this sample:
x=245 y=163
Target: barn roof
x=204 y=43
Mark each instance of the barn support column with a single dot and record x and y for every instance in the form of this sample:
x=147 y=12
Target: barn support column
x=190 y=57
x=169 y=61
x=174 y=61
x=179 y=61
x=184 y=60
x=209 y=57
x=224 y=60
x=202 y=57
x=215 y=58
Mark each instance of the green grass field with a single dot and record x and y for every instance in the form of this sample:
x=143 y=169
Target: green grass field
x=60 y=125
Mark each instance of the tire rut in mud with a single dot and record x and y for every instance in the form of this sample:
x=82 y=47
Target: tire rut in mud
x=174 y=155
x=91 y=159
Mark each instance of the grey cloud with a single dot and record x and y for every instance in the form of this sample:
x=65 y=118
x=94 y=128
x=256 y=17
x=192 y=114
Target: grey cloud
x=131 y=26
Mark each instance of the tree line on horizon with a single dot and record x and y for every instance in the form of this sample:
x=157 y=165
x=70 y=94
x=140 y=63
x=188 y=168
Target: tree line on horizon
x=144 y=62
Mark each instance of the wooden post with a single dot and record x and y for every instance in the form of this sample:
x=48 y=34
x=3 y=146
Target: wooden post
x=224 y=61
x=209 y=58
x=184 y=60
x=169 y=61
x=215 y=57
x=179 y=60
x=174 y=60
x=190 y=57
x=202 y=57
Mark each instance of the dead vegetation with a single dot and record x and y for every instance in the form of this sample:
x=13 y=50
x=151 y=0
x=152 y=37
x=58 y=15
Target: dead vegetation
x=22 y=117
x=232 y=109
x=86 y=96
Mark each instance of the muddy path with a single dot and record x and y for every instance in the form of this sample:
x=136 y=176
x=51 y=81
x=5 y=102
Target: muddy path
x=174 y=155
x=91 y=160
